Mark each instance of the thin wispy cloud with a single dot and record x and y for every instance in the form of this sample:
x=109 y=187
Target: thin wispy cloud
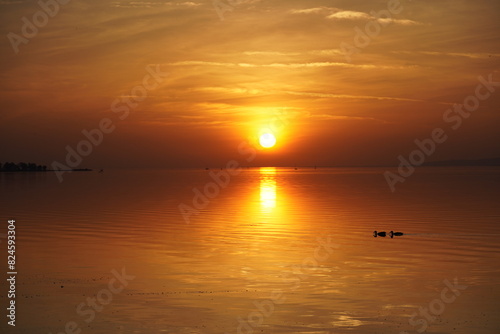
x=347 y=96
x=315 y=10
x=270 y=53
x=145 y=4
x=289 y=65
x=247 y=91
x=350 y=15
x=340 y=14
x=353 y=15
x=326 y=52
x=327 y=117
x=453 y=54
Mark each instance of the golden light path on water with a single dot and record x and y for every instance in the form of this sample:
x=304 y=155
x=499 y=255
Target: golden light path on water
x=267 y=189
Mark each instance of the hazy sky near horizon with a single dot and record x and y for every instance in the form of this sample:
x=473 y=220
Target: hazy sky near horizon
x=229 y=79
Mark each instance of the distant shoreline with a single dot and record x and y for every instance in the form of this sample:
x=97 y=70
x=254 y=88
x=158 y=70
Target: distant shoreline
x=47 y=170
x=23 y=167
x=33 y=168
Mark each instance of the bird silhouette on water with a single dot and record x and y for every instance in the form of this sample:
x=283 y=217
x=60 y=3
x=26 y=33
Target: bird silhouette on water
x=395 y=234
x=392 y=234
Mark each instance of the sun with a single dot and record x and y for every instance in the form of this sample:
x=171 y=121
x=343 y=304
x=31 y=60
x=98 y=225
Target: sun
x=267 y=140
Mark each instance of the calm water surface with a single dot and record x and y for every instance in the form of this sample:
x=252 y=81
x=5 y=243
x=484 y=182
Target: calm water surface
x=253 y=259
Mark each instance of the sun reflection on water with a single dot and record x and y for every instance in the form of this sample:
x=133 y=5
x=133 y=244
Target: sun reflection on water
x=267 y=189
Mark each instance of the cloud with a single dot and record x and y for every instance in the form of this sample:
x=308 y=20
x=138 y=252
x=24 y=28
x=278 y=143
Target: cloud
x=324 y=52
x=270 y=53
x=347 y=96
x=146 y=4
x=453 y=54
x=246 y=91
x=316 y=10
x=402 y=22
x=327 y=52
x=327 y=117
x=340 y=14
x=350 y=15
x=286 y=65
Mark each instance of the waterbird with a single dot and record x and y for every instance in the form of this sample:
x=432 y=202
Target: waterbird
x=380 y=234
x=438 y=235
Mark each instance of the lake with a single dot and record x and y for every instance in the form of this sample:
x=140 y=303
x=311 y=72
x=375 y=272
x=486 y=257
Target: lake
x=269 y=250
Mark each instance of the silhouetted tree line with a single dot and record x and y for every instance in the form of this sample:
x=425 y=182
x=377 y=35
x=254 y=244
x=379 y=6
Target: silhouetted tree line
x=21 y=167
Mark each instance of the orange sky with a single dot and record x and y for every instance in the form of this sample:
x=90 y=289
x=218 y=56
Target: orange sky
x=230 y=79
